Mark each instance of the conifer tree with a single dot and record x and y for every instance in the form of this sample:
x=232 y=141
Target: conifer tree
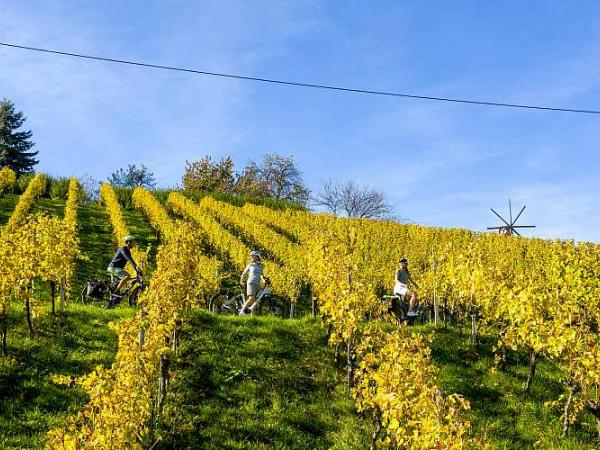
x=15 y=145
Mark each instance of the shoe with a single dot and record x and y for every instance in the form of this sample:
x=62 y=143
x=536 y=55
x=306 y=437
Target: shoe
x=412 y=314
x=242 y=313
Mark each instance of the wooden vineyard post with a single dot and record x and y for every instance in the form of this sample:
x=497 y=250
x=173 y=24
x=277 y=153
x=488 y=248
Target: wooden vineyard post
x=163 y=380
x=502 y=356
x=533 y=357
x=474 y=329
x=436 y=308
x=313 y=301
x=29 y=318
x=445 y=313
x=142 y=332
x=350 y=363
x=53 y=297
x=571 y=387
x=292 y=309
x=175 y=344
x=4 y=319
x=63 y=295
x=376 y=433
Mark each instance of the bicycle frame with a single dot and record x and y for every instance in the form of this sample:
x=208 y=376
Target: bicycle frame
x=265 y=291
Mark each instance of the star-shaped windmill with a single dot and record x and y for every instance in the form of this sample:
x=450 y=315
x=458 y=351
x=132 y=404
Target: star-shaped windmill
x=509 y=226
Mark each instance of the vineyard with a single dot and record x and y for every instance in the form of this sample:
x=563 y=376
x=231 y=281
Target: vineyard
x=507 y=355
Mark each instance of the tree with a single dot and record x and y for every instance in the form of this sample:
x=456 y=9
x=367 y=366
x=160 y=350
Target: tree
x=248 y=182
x=133 y=176
x=15 y=145
x=206 y=175
x=275 y=177
x=281 y=178
x=353 y=200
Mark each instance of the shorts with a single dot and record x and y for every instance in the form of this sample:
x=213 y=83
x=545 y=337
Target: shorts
x=252 y=289
x=117 y=272
x=400 y=289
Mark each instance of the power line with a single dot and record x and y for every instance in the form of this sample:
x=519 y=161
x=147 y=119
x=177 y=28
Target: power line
x=300 y=84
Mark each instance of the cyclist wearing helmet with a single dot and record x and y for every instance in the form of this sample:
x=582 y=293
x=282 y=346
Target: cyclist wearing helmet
x=254 y=274
x=402 y=281
x=120 y=260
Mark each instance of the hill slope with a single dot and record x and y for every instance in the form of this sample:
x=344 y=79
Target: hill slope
x=257 y=383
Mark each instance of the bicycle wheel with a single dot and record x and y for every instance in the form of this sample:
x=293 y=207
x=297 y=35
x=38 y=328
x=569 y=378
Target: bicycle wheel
x=275 y=306
x=133 y=296
x=214 y=301
x=229 y=305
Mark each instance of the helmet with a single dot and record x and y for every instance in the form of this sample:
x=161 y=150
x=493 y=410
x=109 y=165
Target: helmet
x=129 y=237
x=404 y=260
x=254 y=253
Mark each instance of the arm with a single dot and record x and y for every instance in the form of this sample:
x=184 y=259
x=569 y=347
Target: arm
x=410 y=278
x=244 y=273
x=127 y=254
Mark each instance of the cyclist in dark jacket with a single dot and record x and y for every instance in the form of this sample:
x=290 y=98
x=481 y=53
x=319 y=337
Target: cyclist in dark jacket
x=120 y=260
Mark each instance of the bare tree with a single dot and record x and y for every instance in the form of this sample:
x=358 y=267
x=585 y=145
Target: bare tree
x=329 y=197
x=353 y=200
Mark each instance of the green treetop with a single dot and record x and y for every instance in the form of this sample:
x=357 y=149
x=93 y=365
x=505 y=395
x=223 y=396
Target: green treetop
x=14 y=144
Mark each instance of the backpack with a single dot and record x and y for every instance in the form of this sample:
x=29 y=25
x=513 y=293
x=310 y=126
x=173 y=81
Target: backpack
x=95 y=289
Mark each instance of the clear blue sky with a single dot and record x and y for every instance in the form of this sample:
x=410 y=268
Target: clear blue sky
x=439 y=164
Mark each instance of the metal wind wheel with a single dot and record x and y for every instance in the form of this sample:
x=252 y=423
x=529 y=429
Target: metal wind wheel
x=509 y=226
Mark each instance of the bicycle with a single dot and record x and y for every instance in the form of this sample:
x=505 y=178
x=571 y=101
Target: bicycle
x=104 y=291
x=420 y=309
x=229 y=302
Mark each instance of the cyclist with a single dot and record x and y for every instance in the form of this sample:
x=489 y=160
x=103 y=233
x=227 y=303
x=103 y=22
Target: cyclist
x=120 y=260
x=254 y=274
x=402 y=281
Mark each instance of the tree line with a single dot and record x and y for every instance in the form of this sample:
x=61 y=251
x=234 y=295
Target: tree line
x=273 y=177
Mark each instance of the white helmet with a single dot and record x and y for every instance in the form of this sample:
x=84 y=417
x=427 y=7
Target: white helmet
x=254 y=253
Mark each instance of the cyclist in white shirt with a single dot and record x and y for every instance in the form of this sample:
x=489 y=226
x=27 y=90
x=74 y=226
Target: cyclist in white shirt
x=402 y=281
x=254 y=274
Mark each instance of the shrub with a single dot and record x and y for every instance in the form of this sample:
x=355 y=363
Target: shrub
x=124 y=196
x=58 y=188
x=23 y=182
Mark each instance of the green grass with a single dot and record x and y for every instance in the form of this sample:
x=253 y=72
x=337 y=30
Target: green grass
x=501 y=410
x=7 y=205
x=69 y=344
x=257 y=383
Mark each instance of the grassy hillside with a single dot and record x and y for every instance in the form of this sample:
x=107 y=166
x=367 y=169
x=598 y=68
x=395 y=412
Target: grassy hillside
x=500 y=409
x=257 y=383
x=249 y=382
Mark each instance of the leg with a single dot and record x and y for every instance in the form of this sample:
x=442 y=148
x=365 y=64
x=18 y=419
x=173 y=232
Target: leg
x=125 y=279
x=251 y=291
x=249 y=302
x=412 y=299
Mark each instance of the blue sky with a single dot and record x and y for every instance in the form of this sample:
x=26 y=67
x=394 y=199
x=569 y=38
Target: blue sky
x=439 y=164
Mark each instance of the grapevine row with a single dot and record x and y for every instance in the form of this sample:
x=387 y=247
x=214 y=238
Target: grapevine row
x=109 y=198
x=27 y=200
x=536 y=295
x=227 y=244
x=123 y=397
x=41 y=248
